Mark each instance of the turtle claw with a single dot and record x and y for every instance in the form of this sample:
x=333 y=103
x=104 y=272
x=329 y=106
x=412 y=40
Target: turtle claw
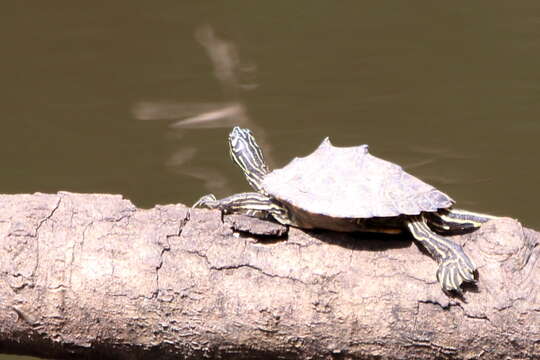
x=205 y=201
x=454 y=271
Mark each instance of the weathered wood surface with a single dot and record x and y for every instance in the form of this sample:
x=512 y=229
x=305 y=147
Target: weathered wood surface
x=92 y=275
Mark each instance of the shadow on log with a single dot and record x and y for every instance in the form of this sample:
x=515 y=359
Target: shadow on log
x=90 y=275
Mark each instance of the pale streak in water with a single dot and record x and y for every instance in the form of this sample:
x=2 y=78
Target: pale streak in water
x=227 y=116
x=193 y=115
x=171 y=110
x=212 y=178
x=231 y=73
x=229 y=70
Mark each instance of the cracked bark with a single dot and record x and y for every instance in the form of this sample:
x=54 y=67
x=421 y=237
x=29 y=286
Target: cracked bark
x=91 y=275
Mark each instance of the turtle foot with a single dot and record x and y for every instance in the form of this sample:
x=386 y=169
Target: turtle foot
x=454 y=271
x=205 y=202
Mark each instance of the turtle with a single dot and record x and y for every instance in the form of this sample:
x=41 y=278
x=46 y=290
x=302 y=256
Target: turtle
x=347 y=189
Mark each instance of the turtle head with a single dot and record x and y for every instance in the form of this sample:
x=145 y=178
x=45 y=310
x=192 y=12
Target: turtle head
x=247 y=154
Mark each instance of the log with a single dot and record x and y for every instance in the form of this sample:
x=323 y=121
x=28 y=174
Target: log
x=91 y=275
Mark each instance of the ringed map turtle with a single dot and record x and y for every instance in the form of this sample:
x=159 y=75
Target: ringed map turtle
x=348 y=189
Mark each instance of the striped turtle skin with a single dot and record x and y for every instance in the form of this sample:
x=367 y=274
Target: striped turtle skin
x=348 y=189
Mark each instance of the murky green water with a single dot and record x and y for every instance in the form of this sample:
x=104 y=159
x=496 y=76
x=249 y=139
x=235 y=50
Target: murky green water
x=90 y=93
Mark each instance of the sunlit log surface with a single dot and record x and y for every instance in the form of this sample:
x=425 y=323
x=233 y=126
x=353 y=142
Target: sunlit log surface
x=92 y=275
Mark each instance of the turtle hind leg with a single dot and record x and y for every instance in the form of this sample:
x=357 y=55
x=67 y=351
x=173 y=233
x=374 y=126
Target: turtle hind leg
x=250 y=203
x=455 y=267
x=450 y=220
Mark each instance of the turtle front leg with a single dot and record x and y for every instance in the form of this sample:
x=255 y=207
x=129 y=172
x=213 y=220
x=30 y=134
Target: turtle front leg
x=448 y=220
x=207 y=201
x=455 y=267
x=249 y=203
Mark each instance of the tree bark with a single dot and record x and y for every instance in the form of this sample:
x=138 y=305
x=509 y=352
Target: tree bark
x=90 y=275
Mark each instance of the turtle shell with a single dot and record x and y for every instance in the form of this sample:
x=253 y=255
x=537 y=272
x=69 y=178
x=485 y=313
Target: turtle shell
x=348 y=182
